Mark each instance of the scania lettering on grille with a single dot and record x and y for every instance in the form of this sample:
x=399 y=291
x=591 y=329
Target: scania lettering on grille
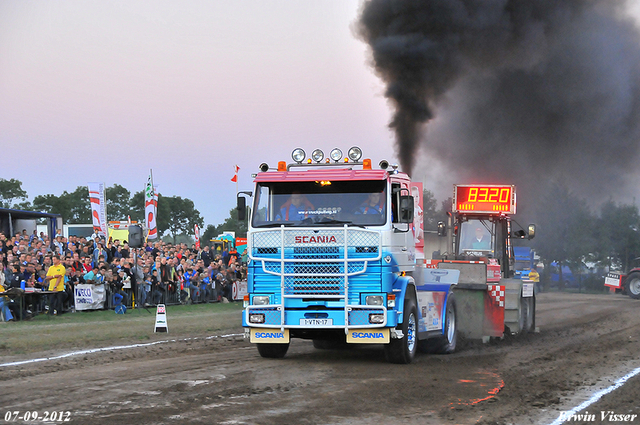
x=368 y=335
x=315 y=239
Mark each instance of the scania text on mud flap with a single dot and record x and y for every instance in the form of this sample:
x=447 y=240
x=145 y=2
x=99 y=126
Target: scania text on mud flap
x=333 y=245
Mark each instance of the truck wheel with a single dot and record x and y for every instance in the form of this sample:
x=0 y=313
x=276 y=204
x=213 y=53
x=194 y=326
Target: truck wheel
x=446 y=344
x=632 y=285
x=273 y=351
x=527 y=314
x=402 y=351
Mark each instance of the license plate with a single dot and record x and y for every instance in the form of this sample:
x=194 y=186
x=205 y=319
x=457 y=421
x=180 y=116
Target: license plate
x=316 y=322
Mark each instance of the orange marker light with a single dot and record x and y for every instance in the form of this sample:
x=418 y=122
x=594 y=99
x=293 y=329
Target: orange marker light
x=282 y=166
x=366 y=164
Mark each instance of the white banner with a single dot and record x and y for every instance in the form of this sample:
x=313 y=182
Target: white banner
x=89 y=297
x=98 y=207
x=151 y=208
x=239 y=289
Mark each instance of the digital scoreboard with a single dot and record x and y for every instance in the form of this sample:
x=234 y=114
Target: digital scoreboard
x=484 y=199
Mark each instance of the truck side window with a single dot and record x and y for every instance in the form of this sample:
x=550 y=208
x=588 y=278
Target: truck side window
x=395 y=196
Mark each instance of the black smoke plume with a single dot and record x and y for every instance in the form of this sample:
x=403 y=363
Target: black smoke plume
x=512 y=91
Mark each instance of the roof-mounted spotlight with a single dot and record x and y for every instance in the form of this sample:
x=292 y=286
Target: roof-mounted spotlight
x=317 y=155
x=264 y=167
x=384 y=164
x=336 y=154
x=354 y=154
x=298 y=155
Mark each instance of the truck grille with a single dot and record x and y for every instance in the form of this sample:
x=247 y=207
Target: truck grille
x=315 y=261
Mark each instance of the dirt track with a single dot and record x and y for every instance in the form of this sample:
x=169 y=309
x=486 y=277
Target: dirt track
x=584 y=343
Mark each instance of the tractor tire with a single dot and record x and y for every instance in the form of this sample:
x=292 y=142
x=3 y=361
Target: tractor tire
x=632 y=285
x=403 y=351
x=447 y=343
x=273 y=351
x=527 y=314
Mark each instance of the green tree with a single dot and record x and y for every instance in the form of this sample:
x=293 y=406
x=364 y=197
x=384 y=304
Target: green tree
x=118 y=202
x=182 y=215
x=74 y=207
x=24 y=206
x=618 y=234
x=565 y=230
x=10 y=190
x=136 y=207
x=430 y=211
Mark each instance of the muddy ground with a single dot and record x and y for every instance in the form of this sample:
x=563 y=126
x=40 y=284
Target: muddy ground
x=584 y=343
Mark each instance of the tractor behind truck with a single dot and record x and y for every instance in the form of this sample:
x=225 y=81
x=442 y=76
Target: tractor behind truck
x=480 y=246
x=335 y=256
x=628 y=283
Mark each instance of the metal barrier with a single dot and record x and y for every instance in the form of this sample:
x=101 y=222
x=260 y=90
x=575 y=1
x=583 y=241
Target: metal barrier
x=170 y=296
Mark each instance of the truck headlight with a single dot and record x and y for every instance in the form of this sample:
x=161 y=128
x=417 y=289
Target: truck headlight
x=298 y=155
x=256 y=318
x=261 y=300
x=354 y=154
x=376 y=318
x=374 y=300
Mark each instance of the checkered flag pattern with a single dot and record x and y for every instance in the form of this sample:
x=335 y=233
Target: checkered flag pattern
x=497 y=293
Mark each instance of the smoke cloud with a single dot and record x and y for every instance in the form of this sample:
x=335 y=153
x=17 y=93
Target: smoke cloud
x=512 y=91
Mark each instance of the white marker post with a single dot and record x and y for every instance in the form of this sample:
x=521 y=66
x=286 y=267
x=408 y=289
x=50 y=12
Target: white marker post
x=161 y=319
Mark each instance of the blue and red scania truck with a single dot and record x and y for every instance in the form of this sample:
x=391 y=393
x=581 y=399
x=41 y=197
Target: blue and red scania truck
x=336 y=255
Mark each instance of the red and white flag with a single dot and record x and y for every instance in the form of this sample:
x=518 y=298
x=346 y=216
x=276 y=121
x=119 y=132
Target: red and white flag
x=235 y=177
x=98 y=208
x=151 y=208
x=197 y=232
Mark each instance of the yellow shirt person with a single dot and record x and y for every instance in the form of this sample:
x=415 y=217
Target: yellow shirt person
x=55 y=275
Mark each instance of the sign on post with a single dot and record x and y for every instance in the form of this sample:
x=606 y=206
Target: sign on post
x=161 y=319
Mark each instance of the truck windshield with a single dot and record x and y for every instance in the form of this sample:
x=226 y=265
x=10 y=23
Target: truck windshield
x=315 y=203
x=476 y=238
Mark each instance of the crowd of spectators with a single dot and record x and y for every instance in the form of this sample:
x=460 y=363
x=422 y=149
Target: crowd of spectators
x=160 y=272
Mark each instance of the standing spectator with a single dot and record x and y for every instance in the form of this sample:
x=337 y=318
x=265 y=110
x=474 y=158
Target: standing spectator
x=159 y=289
x=206 y=256
x=4 y=301
x=55 y=277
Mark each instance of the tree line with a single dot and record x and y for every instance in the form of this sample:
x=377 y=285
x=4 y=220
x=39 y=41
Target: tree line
x=176 y=215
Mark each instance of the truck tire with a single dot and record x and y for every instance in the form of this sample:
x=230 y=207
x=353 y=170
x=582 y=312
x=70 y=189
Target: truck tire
x=402 y=351
x=447 y=343
x=632 y=285
x=273 y=351
x=527 y=314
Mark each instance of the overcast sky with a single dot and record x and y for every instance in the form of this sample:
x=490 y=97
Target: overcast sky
x=105 y=90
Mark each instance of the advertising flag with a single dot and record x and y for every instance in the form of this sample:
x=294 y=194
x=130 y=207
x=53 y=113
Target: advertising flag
x=98 y=207
x=151 y=208
x=197 y=232
x=235 y=176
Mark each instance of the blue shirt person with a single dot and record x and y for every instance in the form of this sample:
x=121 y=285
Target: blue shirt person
x=373 y=205
x=296 y=208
